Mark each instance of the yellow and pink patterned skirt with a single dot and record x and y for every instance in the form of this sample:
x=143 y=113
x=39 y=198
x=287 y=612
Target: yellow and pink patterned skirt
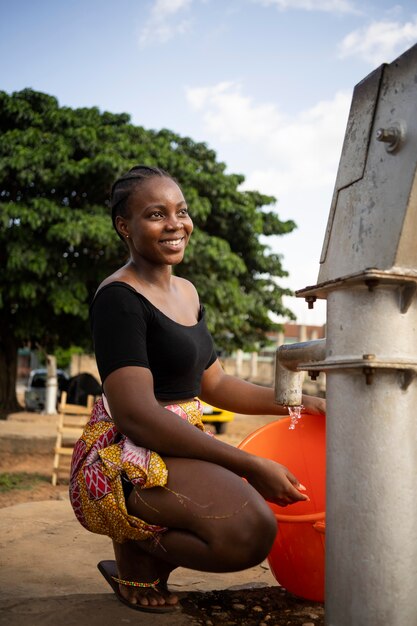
x=102 y=459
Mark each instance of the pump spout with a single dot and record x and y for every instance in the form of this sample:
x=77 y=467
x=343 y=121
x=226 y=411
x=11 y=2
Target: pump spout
x=290 y=361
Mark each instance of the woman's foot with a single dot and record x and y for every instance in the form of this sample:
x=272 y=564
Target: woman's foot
x=133 y=564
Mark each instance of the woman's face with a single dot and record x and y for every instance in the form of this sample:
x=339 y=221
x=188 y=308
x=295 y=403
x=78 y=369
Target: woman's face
x=158 y=227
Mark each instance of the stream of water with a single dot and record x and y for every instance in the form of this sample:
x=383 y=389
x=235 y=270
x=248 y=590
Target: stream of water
x=295 y=415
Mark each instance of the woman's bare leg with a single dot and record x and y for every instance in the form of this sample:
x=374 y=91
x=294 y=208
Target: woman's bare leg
x=134 y=564
x=217 y=522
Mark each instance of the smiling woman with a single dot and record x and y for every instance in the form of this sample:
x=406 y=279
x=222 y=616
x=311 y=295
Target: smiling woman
x=146 y=216
x=145 y=472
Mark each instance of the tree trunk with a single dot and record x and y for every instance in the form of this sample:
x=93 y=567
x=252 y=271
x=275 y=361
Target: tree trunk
x=8 y=373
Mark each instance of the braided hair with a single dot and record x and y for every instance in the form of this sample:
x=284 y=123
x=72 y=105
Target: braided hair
x=126 y=184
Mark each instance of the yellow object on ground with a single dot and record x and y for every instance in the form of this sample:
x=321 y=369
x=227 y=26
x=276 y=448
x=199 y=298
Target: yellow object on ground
x=217 y=417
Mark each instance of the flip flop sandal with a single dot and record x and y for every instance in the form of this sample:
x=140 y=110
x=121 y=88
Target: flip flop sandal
x=109 y=570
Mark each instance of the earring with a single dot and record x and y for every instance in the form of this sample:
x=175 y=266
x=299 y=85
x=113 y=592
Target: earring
x=127 y=236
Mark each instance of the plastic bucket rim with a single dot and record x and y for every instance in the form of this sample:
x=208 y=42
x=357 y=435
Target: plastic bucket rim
x=299 y=519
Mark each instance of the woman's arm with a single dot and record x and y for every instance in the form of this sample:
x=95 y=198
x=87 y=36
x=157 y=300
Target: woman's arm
x=237 y=395
x=137 y=414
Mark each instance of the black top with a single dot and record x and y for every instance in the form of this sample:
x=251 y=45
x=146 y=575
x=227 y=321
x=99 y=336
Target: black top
x=129 y=330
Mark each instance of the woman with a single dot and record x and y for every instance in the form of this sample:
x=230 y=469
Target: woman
x=145 y=472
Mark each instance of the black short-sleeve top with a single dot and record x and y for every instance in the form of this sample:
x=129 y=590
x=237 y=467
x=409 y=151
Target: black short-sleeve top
x=129 y=330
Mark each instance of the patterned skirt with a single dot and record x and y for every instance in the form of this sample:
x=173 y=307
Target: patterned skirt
x=102 y=459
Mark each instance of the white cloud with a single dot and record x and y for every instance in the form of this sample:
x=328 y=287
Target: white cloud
x=230 y=116
x=287 y=146
x=328 y=6
x=292 y=157
x=163 y=8
x=380 y=42
x=163 y=23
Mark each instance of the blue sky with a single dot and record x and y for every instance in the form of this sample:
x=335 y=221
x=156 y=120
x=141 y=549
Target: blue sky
x=267 y=84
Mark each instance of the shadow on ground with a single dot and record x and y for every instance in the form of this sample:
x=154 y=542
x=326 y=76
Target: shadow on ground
x=271 y=606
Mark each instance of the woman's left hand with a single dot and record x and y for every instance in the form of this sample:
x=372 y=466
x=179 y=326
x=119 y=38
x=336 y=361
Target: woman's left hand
x=314 y=405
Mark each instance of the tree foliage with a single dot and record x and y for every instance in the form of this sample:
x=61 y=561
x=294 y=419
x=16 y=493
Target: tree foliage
x=57 y=243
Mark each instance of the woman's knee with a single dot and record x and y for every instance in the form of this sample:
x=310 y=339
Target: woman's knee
x=249 y=540
x=259 y=533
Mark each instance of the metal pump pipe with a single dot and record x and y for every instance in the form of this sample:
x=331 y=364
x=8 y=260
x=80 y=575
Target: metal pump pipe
x=290 y=362
x=371 y=431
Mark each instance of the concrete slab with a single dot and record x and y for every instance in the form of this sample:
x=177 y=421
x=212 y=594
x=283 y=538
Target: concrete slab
x=48 y=573
x=28 y=433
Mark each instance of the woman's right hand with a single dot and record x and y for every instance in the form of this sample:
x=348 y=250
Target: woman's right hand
x=275 y=482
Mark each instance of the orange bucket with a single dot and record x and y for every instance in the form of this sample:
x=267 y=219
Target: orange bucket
x=297 y=556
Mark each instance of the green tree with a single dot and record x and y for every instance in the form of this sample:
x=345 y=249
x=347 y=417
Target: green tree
x=57 y=243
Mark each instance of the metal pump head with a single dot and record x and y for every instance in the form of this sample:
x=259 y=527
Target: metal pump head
x=372 y=222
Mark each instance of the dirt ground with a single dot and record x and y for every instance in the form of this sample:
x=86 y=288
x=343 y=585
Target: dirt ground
x=266 y=606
